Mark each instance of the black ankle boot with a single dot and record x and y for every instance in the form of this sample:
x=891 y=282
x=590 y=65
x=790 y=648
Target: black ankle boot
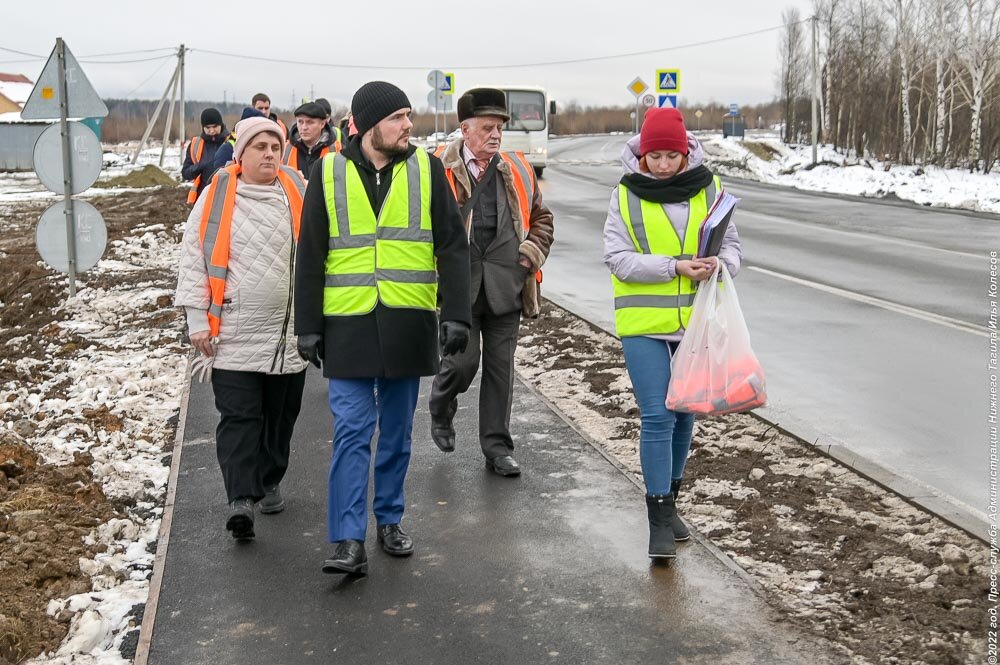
x=681 y=532
x=661 y=535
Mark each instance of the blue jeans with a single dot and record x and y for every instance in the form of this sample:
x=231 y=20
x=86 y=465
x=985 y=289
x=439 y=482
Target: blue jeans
x=357 y=404
x=664 y=436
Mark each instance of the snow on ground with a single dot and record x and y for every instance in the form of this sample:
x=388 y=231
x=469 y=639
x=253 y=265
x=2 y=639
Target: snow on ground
x=765 y=158
x=25 y=186
x=137 y=373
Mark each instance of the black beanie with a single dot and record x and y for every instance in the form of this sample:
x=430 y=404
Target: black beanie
x=375 y=101
x=211 y=116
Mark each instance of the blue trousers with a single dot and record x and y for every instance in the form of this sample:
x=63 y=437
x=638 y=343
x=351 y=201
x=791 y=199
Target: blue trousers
x=357 y=405
x=664 y=435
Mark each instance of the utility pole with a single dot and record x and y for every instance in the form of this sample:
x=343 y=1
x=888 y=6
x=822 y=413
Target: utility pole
x=312 y=93
x=170 y=114
x=815 y=88
x=183 y=135
x=156 y=114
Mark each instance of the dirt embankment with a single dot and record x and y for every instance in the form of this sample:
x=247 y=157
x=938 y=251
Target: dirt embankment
x=49 y=512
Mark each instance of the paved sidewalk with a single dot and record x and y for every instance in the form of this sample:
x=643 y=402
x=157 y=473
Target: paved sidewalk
x=547 y=568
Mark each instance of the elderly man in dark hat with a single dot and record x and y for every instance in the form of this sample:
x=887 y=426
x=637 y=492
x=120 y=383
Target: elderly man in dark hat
x=510 y=232
x=311 y=138
x=380 y=248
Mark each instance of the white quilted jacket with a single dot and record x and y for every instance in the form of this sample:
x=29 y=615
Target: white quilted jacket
x=256 y=331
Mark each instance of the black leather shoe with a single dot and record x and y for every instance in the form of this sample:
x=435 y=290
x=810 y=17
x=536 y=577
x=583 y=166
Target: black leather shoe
x=394 y=541
x=349 y=558
x=503 y=465
x=443 y=434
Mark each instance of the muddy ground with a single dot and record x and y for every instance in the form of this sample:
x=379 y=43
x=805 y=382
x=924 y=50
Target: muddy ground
x=47 y=511
x=883 y=580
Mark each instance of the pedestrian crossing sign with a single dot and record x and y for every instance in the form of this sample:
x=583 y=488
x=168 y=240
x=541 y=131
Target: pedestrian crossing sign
x=668 y=80
x=666 y=101
x=449 y=83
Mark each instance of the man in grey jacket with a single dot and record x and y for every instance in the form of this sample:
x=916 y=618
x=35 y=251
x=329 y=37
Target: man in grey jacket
x=235 y=284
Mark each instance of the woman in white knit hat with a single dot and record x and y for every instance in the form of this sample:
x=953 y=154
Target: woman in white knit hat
x=235 y=284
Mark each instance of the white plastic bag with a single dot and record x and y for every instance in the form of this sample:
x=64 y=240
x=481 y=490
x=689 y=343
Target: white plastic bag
x=714 y=370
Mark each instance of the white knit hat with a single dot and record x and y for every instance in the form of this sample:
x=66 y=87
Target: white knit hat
x=251 y=127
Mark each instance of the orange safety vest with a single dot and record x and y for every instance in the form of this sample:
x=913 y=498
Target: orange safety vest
x=195 y=149
x=291 y=156
x=524 y=185
x=217 y=221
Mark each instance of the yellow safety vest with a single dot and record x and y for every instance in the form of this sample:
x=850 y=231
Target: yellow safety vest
x=659 y=308
x=389 y=258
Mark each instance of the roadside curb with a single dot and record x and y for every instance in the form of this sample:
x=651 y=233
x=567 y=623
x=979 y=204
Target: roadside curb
x=163 y=537
x=911 y=491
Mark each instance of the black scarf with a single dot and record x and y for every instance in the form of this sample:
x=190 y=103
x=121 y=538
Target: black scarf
x=675 y=189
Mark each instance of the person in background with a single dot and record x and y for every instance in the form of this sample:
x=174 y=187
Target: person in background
x=224 y=155
x=262 y=103
x=650 y=247
x=235 y=284
x=510 y=232
x=373 y=322
x=312 y=138
x=199 y=158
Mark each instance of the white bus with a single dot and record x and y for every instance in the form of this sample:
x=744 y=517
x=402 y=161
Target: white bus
x=527 y=130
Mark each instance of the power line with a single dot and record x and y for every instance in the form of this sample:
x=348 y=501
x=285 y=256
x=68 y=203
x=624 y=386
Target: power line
x=10 y=50
x=148 y=78
x=127 y=62
x=515 y=66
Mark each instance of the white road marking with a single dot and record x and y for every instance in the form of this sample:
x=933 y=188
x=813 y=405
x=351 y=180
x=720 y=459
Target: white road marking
x=930 y=317
x=868 y=237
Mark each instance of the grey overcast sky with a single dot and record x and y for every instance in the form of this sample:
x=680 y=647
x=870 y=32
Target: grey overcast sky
x=452 y=35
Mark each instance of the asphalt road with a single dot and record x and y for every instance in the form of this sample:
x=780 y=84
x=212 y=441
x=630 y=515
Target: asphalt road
x=868 y=316
x=547 y=568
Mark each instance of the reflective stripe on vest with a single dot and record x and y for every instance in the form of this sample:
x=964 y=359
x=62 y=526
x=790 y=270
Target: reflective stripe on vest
x=389 y=258
x=217 y=222
x=195 y=150
x=291 y=156
x=664 y=307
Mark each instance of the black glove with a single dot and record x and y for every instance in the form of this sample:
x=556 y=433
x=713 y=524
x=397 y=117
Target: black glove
x=310 y=347
x=454 y=337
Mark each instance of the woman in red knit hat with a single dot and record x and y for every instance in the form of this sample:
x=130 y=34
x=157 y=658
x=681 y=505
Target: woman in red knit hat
x=651 y=248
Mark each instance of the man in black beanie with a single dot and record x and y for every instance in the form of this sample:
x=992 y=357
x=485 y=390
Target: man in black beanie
x=381 y=246
x=200 y=154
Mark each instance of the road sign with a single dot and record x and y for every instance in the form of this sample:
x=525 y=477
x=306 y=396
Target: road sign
x=43 y=102
x=649 y=100
x=436 y=79
x=449 y=83
x=439 y=100
x=668 y=80
x=666 y=101
x=734 y=109
x=90 y=233
x=698 y=113
x=637 y=86
x=86 y=158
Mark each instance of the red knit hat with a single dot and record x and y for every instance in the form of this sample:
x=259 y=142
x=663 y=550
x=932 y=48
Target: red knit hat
x=663 y=129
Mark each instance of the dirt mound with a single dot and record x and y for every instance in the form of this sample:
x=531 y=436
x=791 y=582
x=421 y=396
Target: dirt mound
x=45 y=513
x=147 y=176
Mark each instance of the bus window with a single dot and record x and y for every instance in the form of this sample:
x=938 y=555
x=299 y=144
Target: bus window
x=527 y=110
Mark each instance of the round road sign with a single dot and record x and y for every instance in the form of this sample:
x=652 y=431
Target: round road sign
x=648 y=100
x=436 y=79
x=86 y=157
x=91 y=235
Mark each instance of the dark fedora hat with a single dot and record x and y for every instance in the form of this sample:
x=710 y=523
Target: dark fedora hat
x=482 y=101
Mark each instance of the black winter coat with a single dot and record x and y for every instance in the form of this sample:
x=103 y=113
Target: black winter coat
x=206 y=165
x=386 y=342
